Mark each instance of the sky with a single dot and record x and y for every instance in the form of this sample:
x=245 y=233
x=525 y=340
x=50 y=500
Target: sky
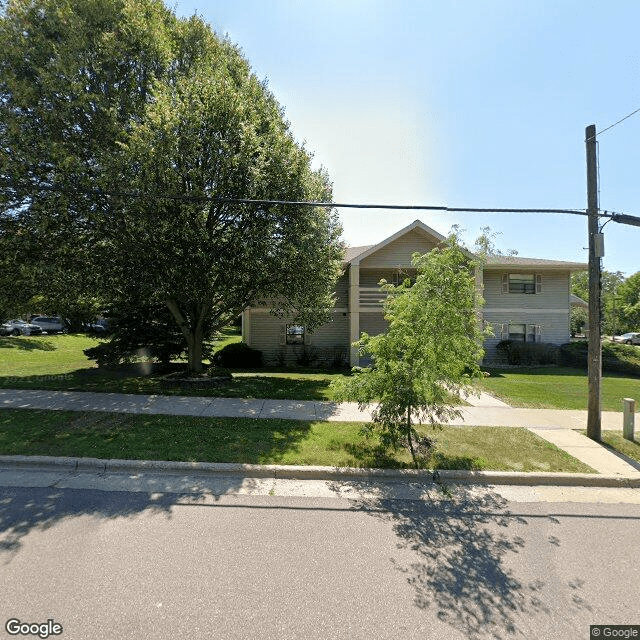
x=458 y=103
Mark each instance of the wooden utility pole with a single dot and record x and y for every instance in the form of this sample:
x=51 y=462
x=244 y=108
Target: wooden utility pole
x=595 y=253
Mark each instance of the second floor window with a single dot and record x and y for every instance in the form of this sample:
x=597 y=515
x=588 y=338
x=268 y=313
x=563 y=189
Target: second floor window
x=521 y=283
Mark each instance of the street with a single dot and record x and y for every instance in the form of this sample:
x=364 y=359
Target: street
x=247 y=560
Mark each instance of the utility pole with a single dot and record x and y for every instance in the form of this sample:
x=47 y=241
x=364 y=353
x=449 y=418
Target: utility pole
x=595 y=253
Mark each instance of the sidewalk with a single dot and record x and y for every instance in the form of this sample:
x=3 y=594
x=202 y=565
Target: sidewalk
x=555 y=425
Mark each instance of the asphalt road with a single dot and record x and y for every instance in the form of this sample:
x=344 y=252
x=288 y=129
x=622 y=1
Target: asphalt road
x=162 y=565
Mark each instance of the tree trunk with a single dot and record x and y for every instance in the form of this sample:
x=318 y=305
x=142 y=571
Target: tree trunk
x=193 y=335
x=195 y=354
x=413 y=453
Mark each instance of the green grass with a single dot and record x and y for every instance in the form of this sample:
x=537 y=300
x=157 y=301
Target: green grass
x=25 y=356
x=557 y=388
x=58 y=363
x=288 y=442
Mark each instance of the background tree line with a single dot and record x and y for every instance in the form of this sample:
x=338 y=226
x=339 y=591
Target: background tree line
x=620 y=302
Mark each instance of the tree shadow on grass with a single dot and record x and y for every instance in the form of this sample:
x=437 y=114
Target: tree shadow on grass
x=465 y=543
x=26 y=343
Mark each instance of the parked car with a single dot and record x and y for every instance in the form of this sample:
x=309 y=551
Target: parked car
x=20 y=328
x=99 y=327
x=49 y=324
x=628 y=338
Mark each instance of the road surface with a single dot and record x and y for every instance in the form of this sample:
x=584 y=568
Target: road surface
x=298 y=563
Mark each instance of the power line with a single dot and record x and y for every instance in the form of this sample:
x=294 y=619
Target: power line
x=302 y=203
x=617 y=123
x=616 y=217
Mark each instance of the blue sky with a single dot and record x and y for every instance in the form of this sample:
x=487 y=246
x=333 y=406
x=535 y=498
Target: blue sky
x=459 y=103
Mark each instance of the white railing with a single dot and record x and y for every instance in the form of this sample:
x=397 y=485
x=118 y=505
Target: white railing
x=371 y=296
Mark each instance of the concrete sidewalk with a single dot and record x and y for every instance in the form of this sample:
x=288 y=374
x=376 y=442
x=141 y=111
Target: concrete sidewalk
x=555 y=425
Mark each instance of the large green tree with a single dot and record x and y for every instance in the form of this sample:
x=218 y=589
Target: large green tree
x=73 y=77
x=628 y=303
x=152 y=205
x=432 y=347
x=610 y=281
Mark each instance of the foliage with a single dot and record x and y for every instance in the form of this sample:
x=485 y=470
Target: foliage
x=132 y=100
x=616 y=358
x=528 y=353
x=238 y=355
x=628 y=302
x=579 y=320
x=72 y=78
x=139 y=331
x=432 y=347
x=610 y=282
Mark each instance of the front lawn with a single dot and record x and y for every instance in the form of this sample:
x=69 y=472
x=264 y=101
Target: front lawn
x=557 y=388
x=58 y=363
x=288 y=442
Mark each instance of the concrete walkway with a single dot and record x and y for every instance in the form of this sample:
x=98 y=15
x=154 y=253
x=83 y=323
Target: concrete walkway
x=555 y=425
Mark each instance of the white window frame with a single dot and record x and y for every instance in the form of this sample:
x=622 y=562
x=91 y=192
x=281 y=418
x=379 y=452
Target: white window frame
x=506 y=283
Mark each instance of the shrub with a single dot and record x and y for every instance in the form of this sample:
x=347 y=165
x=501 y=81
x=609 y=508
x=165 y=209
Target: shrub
x=306 y=356
x=616 y=358
x=238 y=355
x=528 y=353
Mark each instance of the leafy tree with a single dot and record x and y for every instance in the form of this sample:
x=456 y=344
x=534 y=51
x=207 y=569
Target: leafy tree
x=433 y=346
x=73 y=77
x=164 y=107
x=628 y=301
x=579 y=318
x=610 y=281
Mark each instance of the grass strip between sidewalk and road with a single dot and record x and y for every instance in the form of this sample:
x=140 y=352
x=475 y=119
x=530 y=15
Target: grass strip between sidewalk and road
x=270 y=441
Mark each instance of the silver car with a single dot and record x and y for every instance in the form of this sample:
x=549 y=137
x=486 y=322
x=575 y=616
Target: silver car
x=20 y=328
x=50 y=324
x=628 y=338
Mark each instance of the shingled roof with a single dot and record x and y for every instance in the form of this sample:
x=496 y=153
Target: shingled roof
x=517 y=261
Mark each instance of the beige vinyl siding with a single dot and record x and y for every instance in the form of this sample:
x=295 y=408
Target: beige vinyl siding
x=555 y=291
x=326 y=343
x=373 y=323
x=342 y=291
x=548 y=310
x=399 y=251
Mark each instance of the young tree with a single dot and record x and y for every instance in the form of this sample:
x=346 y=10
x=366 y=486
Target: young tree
x=433 y=347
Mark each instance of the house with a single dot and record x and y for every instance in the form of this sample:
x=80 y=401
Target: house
x=526 y=299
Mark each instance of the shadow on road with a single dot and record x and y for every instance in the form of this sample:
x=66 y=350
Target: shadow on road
x=27 y=509
x=467 y=545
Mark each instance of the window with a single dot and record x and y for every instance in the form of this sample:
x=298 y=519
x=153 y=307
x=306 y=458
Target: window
x=295 y=334
x=520 y=332
x=521 y=283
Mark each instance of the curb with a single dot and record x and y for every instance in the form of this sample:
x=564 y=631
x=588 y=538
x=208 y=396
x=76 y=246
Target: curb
x=96 y=465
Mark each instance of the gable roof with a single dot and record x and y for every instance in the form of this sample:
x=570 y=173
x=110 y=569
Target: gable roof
x=359 y=253
x=577 y=301
x=353 y=254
